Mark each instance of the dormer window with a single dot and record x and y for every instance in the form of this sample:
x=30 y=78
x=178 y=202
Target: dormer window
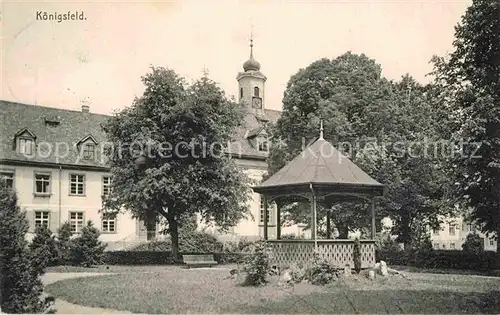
x=256 y=92
x=263 y=144
x=89 y=151
x=25 y=142
x=87 y=148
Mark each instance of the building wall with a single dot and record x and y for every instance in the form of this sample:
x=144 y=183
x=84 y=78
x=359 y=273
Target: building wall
x=444 y=238
x=60 y=203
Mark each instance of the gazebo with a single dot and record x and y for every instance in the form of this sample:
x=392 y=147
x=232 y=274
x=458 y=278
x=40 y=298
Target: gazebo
x=320 y=173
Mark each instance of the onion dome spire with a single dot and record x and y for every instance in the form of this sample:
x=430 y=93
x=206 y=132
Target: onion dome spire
x=251 y=64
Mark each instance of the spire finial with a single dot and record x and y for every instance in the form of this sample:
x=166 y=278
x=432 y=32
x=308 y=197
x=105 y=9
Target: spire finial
x=205 y=71
x=251 y=41
x=321 y=130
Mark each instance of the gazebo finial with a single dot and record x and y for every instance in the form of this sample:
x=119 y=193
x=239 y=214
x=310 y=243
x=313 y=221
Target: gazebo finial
x=321 y=130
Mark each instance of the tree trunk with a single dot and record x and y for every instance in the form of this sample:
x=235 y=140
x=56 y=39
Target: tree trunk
x=498 y=248
x=406 y=234
x=343 y=231
x=174 y=236
x=328 y=226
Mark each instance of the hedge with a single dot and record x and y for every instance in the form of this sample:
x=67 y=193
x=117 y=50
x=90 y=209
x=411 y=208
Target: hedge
x=160 y=258
x=442 y=259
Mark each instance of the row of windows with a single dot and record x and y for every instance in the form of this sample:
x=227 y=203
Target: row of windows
x=452 y=229
x=256 y=92
x=27 y=147
x=454 y=246
x=77 y=222
x=43 y=183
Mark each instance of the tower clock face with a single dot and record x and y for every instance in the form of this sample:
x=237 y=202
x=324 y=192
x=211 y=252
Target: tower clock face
x=256 y=102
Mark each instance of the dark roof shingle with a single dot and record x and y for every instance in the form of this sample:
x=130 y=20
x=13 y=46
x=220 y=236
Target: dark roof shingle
x=72 y=126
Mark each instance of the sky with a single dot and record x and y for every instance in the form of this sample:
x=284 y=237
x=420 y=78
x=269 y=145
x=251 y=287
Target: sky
x=100 y=60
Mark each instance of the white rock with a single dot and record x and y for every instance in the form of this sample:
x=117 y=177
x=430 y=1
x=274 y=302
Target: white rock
x=286 y=276
x=347 y=271
x=377 y=266
x=383 y=268
x=371 y=275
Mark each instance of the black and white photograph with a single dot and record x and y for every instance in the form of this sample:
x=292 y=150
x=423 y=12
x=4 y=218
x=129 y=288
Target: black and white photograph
x=250 y=157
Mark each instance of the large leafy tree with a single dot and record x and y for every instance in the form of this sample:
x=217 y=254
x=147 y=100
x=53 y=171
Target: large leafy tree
x=469 y=78
x=169 y=156
x=374 y=121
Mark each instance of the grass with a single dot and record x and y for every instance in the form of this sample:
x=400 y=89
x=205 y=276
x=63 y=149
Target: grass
x=170 y=289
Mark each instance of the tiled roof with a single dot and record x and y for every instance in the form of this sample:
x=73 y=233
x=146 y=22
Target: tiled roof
x=75 y=126
x=320 y=163
x=72 y=127
x=242 y=146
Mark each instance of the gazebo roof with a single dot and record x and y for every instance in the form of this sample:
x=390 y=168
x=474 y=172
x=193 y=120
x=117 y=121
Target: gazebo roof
x=323 y=167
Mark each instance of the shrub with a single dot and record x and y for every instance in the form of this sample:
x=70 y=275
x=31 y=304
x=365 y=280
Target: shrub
x=20 y=285
x=87 y=250
x=424 y=252
x=43 y=249
x=64 y=243
x=473 y=243
x=384 y=242
x=357 y=255
x=138 y=258
x=298 y=273
x=189 y=241
x=160 y=258
x=257 y=265
x=320 y=272
x=443 y=259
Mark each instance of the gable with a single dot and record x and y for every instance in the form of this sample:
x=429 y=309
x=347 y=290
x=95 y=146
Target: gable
x=87 y=139
x=25 y=132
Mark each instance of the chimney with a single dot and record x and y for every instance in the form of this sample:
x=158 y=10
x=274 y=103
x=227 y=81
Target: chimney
x=85 y=108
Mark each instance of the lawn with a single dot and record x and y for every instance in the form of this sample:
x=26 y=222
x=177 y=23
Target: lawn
x=174 y=290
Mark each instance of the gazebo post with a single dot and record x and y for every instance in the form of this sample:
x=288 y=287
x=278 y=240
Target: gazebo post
x=278 y=220
x=328 y=225
x=374 y=228
x=265 y=216
x=313 y=223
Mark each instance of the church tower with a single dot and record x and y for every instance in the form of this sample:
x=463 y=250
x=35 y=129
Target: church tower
x=251 y=85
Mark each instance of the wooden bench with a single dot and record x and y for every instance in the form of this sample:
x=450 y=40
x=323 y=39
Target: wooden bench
x=199 y=260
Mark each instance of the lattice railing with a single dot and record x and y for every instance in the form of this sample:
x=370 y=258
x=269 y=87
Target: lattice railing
x=337 y=252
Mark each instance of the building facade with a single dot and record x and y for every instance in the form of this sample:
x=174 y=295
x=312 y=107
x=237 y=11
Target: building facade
x=52 y=158
x=453 y=232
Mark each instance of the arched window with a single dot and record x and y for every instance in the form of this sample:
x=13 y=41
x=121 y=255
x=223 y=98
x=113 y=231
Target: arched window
x=256 y=92
x=241 y=92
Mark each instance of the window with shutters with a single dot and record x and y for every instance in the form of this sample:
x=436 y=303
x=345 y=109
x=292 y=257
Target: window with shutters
x=42 y=218
x=42 y=184
x=76 y=221
x=77 y=185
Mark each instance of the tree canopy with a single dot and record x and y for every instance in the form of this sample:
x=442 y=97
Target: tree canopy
x=381 y=125
x=168 y=156
x=469 y=80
